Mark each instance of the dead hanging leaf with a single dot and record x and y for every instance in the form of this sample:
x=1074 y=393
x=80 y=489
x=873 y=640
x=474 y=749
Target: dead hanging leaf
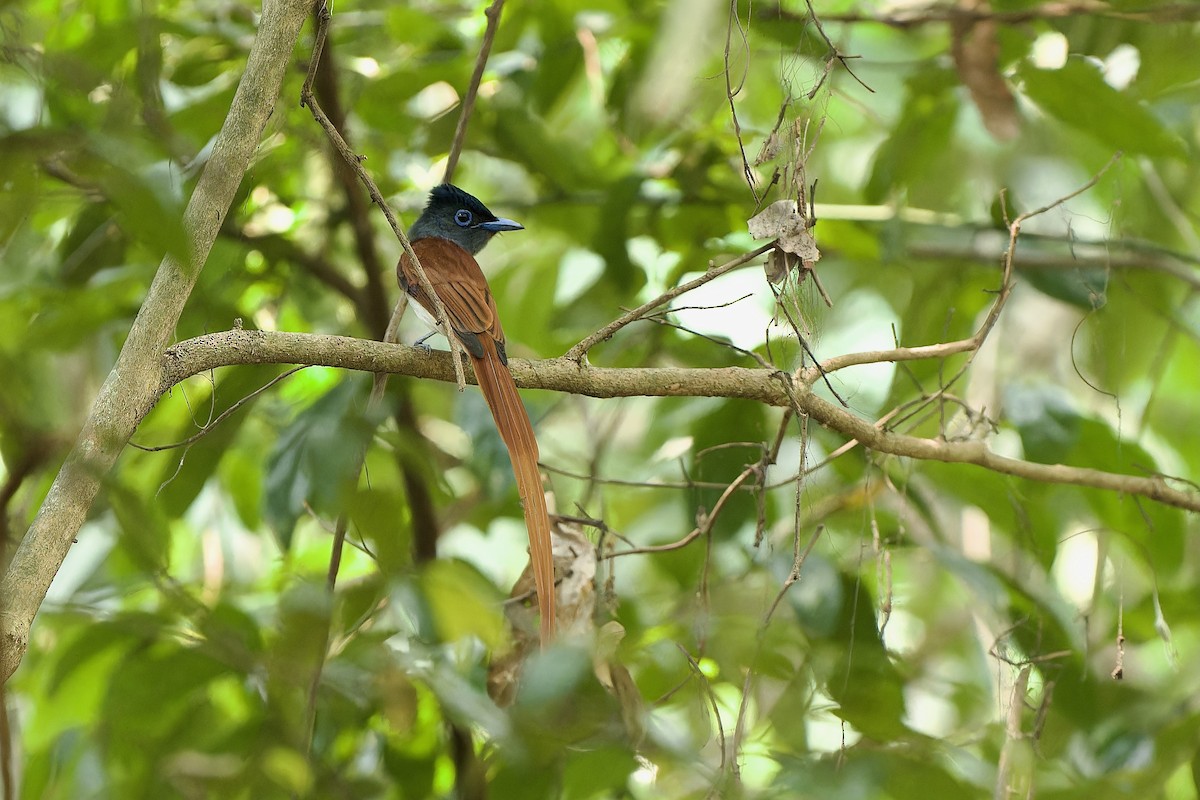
x=782 y=221
x=779 y=265
x=794 y=243
x=975 y=47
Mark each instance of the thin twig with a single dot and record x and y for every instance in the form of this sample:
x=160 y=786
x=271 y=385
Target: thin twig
x=704 y=527
x=975 y=341
x=799 y=555
x=731 y=92
x=460 y=130
x=834 y=54
x=308 y=100
x=207 y=428
x=580 y=351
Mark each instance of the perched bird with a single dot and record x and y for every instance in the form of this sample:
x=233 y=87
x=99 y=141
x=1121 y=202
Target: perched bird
x=454 y=227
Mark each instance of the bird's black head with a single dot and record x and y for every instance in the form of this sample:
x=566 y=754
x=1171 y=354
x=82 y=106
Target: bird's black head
x=453 y=214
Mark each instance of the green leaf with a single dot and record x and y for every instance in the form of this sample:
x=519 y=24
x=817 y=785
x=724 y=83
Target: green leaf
x=1077 y=94
x=1046 y=419
x=152 y=690
x=920 y=137
x=865 y=683
x=185 y=470
x=384 y=519
x=1082 y=288
x=464 y=603
x=145 y=532
x=598 y=773
x=1157 y=531
x=315 y=458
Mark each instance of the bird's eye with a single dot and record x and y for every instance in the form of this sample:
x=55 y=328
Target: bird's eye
x=462 y=218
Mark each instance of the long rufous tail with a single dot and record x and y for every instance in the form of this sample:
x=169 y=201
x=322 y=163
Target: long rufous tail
x=515 y=429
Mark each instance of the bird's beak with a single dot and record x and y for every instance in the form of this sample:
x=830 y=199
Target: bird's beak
x=497 y=225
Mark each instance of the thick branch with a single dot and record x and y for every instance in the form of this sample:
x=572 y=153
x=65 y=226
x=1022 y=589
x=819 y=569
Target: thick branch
x=132 y=386
x=564 y=374
x=203 y=353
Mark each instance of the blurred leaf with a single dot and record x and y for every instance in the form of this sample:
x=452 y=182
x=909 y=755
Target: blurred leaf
x=186 y=470
x=1083 y=288
x=152 y=691
x=865 y=683
x=463 y=603
x=313 y=462
x=1158 y=531
x=1046 y=419
x=146 y=535
x=598 y=773
x=1077 y=94
x=385 y=521
x=921 y=135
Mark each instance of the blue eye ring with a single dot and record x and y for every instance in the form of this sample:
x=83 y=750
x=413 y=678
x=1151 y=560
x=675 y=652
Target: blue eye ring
x=462 y=218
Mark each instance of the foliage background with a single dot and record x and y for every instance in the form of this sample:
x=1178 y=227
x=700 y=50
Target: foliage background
x=953 y=631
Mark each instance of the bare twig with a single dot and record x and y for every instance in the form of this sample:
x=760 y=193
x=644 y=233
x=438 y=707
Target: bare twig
x=580 y=351
x=208 y=427
x=799 y=555
x=700 y=530
x=460 y=130
x=335 y=137
x=731 y=92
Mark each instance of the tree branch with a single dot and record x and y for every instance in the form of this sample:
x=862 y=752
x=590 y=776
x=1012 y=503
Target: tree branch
x=468 y=106
x=132 y=387
x=564 y=374
x=579 y=352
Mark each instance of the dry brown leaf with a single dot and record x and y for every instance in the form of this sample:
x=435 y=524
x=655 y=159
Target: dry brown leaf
x=794 y=244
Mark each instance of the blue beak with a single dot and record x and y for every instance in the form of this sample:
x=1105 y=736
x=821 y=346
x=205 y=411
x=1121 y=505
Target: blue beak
x=498 y=225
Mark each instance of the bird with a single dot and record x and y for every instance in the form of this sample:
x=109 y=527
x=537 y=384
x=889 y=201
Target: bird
x=446 y=237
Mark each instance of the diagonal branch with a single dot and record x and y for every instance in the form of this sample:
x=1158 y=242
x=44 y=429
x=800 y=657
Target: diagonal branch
x=132 y=387
x=579 y=352
x=468 y=106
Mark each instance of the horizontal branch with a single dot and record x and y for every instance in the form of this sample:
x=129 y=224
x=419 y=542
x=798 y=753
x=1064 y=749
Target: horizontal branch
x=561 y=374
x=564 y=374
